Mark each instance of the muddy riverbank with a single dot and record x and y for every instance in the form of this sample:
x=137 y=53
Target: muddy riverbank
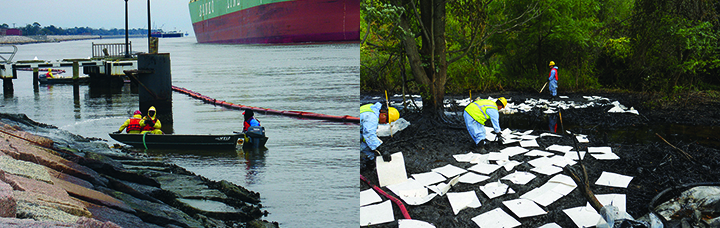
x=53 y=178
x=654 y=164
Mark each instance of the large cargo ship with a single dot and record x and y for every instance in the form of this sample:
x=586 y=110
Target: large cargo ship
x=275 y=21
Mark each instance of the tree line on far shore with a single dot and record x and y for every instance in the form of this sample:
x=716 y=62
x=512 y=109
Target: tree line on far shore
x=37 y=29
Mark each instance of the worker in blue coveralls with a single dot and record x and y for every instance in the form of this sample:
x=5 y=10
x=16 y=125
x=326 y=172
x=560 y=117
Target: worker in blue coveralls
x=553 y=79
x=552 y=123
x=370 y=116
x=477 y=113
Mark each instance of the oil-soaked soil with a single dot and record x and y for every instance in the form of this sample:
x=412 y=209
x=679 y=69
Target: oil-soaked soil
x=655 y=165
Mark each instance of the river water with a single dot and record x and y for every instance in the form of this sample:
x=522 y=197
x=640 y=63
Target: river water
x=308 y=175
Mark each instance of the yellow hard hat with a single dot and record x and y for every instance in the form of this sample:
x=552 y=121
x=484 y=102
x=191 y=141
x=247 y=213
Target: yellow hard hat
x=552 y=63
x=393 y=114
x=503 y=101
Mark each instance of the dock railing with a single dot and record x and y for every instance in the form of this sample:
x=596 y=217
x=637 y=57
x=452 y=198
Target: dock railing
x=109 y=50
x=4 y=50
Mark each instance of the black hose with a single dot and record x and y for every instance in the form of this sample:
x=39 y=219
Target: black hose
x=651 y=206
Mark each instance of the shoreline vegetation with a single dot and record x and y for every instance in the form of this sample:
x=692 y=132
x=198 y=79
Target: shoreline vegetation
x=641 y=45
x=19 y=40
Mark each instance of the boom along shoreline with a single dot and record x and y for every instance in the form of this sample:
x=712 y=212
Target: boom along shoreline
x=299 y=114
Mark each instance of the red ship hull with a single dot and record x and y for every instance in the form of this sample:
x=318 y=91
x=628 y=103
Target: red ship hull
x=285 y=22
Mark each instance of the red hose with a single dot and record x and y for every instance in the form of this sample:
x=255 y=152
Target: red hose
x=308 y=115
x=395 y=200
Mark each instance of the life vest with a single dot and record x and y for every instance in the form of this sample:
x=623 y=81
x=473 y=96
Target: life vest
x=366 y=108
x=556 y=73
x=478 y=110
x=134 y=125
x=247 y=125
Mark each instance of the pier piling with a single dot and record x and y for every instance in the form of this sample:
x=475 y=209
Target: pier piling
x=36 y=75
x=154 y=76
x=8 y=90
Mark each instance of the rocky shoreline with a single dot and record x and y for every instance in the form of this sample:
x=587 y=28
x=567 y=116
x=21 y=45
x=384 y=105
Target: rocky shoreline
x=53 y=178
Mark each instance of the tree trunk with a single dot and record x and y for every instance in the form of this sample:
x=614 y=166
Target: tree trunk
x=440 y=55
x=428 y=60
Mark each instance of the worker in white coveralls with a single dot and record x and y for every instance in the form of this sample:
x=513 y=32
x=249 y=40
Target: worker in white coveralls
x=370 y=116
x=553 y=79
x=477 y=113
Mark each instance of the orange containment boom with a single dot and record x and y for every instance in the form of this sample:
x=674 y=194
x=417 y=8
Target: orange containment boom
x=299 y=114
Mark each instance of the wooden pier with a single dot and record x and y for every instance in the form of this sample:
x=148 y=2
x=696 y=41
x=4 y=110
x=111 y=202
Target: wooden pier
x=106 y=68
x=103 y=71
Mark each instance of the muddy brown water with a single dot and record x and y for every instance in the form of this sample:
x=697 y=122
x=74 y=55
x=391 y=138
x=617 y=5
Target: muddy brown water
x=654 y=164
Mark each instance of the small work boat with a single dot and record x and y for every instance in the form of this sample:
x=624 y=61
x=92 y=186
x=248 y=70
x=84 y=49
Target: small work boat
x=43 y=79
x=54 y=70
x=178 y=140
x=254 y=138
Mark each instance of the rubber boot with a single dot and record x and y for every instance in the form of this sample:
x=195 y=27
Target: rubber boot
x=366 y=163
x=482 y=146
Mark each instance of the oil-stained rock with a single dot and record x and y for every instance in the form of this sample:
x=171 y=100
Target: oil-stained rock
x=73 y=181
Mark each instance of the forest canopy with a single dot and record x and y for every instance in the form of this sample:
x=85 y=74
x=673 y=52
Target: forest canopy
x=37 y=29
x=495 y=45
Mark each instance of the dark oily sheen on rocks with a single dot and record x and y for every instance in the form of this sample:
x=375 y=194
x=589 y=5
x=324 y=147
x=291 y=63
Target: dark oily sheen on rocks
x=60 y=179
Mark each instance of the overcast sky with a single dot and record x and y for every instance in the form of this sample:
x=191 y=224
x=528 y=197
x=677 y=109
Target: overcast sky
x=165 y=14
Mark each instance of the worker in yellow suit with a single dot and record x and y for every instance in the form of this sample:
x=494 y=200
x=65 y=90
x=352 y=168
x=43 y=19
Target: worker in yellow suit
x=132 y=124
x=150 y=123
x=49 y=74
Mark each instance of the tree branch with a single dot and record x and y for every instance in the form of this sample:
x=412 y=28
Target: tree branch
x=413 y=55
x=417 y=15
x=495 y=29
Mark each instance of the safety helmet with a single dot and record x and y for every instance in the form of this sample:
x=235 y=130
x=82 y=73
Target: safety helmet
x=137 y=112
x=393 y=114
x=552 y=63
x=49 y=69
x=503 y=101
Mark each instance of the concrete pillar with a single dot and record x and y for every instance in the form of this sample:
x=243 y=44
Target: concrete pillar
x=8 y=89
x=156 y=87
x=76 y=95
x=76 y=70
x=36 y=74
x=153 y=49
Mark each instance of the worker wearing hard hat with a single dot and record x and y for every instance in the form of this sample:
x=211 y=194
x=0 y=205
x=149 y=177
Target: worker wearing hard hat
x=553 y=79
x=477 y=113
x=370 y=116
x=132 y=124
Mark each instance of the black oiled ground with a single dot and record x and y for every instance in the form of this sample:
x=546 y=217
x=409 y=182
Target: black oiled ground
x=653 y=164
